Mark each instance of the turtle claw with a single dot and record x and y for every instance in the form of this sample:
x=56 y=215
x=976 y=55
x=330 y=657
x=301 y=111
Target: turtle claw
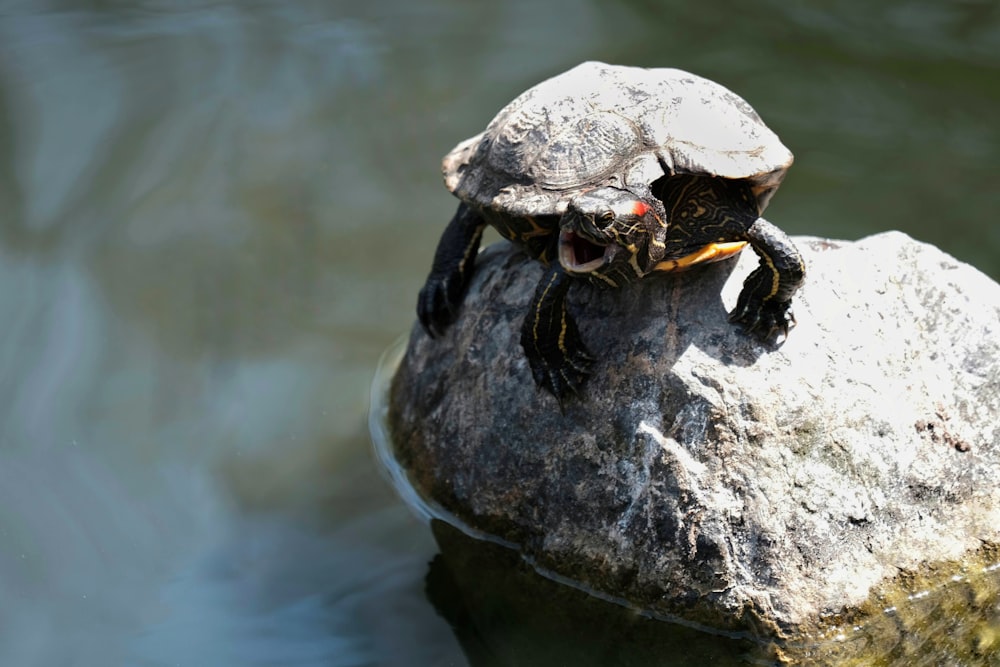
x=560 y=362
x=562 y=374
x=768 y=322
x=438 y=303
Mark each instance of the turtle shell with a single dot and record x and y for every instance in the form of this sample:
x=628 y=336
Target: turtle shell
x=601 y=124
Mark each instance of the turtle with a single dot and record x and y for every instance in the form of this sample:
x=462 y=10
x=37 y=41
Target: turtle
x=608 y=174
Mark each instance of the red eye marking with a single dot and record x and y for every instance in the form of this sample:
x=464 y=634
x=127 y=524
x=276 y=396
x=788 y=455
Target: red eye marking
x=640 y=208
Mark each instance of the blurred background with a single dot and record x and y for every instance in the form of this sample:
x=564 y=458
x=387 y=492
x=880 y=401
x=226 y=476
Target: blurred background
x=215 y=216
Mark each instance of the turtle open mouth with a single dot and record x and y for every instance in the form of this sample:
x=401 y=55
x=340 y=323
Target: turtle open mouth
x=578 y=254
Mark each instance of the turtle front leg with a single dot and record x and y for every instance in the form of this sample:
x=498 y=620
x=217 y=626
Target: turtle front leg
x=764 y=306
x=442 y=294
x=558 y=358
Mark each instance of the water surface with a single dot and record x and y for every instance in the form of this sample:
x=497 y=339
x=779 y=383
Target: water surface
x=215 y=216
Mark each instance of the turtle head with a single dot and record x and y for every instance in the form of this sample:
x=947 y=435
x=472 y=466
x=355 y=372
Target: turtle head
x=611 y=227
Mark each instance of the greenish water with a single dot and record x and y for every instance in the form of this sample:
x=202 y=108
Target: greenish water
x=215 y=216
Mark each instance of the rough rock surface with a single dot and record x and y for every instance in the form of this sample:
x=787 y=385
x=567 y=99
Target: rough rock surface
x=704 y=474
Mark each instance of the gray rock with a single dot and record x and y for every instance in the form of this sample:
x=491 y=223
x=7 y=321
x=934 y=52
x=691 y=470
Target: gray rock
x=706 y=475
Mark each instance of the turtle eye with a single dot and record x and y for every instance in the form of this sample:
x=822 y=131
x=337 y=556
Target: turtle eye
x=606 y=218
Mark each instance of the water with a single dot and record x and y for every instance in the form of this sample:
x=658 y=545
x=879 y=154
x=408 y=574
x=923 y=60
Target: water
x=215 y=216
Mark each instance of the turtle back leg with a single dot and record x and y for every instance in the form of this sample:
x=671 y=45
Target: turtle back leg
x=764 y=306
x=442 y=294
x=558 y=358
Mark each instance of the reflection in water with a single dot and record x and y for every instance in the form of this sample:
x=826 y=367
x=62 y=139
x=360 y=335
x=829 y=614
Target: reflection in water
x=504 y=613
x=214 y=217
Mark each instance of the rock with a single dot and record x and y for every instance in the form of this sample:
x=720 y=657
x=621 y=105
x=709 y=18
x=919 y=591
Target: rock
x=703 y=474
x=503 y=612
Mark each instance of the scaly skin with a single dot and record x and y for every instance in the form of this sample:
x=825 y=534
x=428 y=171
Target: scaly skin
x=764 y=305
x=700 y=219
x=442 y=294
x=558 y=358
